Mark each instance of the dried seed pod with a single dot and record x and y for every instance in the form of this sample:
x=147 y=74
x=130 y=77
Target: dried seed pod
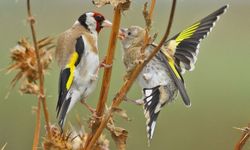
x=25 y=63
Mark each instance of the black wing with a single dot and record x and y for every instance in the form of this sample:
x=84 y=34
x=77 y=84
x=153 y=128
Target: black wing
x=66 y=79
x=185 y=45
x=168 y=62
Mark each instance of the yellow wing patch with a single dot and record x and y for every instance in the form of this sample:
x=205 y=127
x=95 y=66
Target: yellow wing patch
x=187 y=33
x=171 y=63
x=71 y=65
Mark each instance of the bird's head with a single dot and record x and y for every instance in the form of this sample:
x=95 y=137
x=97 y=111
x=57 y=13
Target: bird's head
x=94 y=21
x=132 y=36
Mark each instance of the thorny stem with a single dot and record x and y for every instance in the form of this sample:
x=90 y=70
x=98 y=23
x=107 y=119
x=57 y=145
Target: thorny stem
x=41 y=97
x=126 y=86
x=107 y=71
x=243 y=139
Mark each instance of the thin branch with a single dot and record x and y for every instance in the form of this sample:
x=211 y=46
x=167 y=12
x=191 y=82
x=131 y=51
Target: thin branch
x=243 y=139
x=151 y=10
x=4 y=146
x=107 y=71
x=41 y=97
x=126 y=86
x=109 y=61
x=38 y=126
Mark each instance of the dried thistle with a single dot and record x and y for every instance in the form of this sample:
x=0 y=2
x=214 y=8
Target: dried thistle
x=24 y=62
x=244 y=137
x=58 y=141
x=71 y=140
x=118 y=134
x=124 y=3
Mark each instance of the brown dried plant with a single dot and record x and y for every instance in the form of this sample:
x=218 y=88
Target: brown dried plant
x=125 y=3
x=24 y=62
x=244 y=137
x=4 y=146
x=71 y=140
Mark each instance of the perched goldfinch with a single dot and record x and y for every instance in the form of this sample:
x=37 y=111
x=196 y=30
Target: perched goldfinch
x=161 y=78
x=77 y=56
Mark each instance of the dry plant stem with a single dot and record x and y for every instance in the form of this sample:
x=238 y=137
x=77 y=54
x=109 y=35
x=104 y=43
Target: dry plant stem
x=126 y=86
x=148 y=27
x=151 y=10
x=38 y=126
x=41 y=97
x=243 y=139
x=108 y=61
x=107 y=71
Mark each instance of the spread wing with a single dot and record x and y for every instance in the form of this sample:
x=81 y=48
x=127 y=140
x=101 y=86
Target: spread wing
x=169 y=64
x=184 y=46
x=67 y=75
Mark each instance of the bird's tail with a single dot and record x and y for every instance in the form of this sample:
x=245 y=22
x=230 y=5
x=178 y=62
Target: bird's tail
x=154 y=99
x=63 y=112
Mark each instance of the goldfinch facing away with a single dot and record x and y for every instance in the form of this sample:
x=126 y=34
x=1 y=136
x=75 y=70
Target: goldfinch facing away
x=161 y=78
x=77 y=56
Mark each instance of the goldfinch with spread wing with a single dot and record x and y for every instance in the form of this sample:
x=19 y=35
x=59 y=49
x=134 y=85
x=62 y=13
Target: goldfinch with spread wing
x=77 y=56
x=161 y=78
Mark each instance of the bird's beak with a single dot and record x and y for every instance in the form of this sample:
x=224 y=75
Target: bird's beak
x=106 y=23
x=121 y=34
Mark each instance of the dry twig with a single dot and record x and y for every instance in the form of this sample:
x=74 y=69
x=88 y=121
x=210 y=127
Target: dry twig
x=107 y=71
x=126 y=86
x=4 y=146
x=244 y=137
x=41 y=97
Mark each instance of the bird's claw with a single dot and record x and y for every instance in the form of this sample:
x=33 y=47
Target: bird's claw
x=94 y=77
x=137 y=102
x=104 y=65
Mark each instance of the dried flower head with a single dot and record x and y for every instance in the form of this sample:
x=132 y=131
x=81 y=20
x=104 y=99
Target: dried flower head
x=24 y=62
x=123 y=3
x=58 y=140
x=71 y=140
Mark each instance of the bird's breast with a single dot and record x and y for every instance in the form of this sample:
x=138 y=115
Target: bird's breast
x=154 y=74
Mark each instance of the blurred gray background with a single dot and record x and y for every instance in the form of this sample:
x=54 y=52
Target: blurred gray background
x=218 y=87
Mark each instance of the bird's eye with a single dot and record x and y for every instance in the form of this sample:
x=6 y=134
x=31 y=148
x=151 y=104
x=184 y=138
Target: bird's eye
x=129 y=33
x=99 y=18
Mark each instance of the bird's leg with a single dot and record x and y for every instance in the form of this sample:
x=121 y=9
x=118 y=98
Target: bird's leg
x=147 y=76
x=94 y=77
x=103 y=64
x=137 y=102
x=92 y=110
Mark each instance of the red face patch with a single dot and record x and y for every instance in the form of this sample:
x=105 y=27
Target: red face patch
x=99 y=18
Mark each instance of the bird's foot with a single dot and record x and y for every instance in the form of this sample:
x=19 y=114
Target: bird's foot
x=104 y=65
x=137 y=102
x=94 y=77
x=126 y=77
x=139 y=61
x=147 y=76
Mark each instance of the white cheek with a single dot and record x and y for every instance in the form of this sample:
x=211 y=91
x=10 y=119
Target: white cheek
x=90 y=21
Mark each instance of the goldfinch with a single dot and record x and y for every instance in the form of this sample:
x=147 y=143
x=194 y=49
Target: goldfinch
x=161 y=78
x=77 y=56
